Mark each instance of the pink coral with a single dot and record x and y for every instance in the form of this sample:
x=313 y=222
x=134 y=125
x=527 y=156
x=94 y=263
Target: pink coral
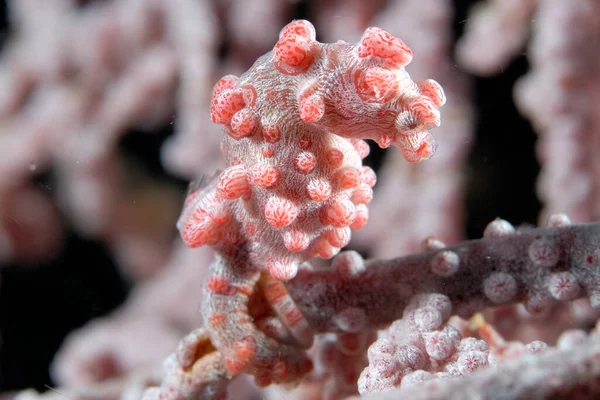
x=293 y=189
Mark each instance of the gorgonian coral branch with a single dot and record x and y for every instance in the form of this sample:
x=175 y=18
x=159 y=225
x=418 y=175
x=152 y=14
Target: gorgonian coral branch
x=535 y=266
x=568 y=373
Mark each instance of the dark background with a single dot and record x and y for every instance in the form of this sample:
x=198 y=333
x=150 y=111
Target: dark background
x=40 y=304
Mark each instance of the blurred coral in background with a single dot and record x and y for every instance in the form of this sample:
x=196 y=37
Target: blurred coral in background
x=104 y=119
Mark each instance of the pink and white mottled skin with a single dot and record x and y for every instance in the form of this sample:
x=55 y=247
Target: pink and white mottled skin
x=295 y=186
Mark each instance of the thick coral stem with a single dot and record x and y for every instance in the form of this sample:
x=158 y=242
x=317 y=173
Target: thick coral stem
x=535 y=266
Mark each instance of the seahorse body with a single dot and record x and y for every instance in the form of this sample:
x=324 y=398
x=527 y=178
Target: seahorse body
x=295 y=123
x=295 y=186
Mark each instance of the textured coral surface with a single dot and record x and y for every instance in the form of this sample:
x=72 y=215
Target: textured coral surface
x=280 y=289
